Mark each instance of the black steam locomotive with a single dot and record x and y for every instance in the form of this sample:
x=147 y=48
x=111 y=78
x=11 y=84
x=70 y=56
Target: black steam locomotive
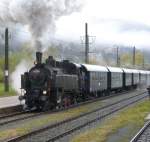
x=50 y=84
x=57 y=84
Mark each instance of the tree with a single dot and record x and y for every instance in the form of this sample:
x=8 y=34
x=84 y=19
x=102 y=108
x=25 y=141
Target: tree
x=93 y=61
x=139 y=58
x=126 y=59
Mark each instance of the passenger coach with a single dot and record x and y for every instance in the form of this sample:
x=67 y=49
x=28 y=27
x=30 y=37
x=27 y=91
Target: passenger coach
x=135 y=78
x=143 y=77
x=148 y=78
x=95 y=79
x=115 y=78
x=127 y=78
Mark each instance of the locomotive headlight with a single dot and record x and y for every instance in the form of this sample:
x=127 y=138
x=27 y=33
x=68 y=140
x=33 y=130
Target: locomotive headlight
x=24 y=91
x=44 y=92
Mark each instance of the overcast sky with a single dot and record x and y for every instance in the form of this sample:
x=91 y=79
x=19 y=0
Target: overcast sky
x=111 y=21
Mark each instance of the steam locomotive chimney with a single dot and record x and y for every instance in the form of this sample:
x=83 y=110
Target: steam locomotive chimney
x=38 y=57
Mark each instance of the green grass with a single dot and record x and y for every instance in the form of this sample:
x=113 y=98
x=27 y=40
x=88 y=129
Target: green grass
x=6 y=94
x=132 y=118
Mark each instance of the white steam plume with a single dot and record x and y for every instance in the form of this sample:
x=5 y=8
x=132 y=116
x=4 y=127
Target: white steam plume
x=16 y=75
x=38 y=15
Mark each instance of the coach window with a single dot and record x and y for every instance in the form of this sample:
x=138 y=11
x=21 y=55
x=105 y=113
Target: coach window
x=99 y=76
x=92 y=76
x=92 y=73
x=96 y=75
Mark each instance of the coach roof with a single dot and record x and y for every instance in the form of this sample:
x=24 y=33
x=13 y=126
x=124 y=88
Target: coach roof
x=135 y=71
x=148 y=72
x=95 y=68
x=127 y=70
x=77 y=65
x=115 y=69
x=143 y=71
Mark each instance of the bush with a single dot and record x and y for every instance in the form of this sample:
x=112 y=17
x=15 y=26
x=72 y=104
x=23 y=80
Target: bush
x=1 y=75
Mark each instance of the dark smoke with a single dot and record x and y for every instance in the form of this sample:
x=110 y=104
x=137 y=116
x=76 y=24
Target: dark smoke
x=39 y=15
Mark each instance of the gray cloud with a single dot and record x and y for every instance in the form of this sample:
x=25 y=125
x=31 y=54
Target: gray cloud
x=126 y=26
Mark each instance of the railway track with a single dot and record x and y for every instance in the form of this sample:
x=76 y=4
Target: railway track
x=59 y=131
x=19 y=116
x=16 y=117
x=143 y=135
x=11 y=115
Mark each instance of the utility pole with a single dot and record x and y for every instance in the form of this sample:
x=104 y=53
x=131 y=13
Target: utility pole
x=143 y=64
x=118 y=57
x=134 y=50
x=6 y=60
x=86 y=40
x=86 y=44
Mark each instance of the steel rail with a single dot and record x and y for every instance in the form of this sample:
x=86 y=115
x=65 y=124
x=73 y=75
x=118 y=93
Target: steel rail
x=32 y=133
x=11 y=115
x=141 y=131
x=89 y=122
